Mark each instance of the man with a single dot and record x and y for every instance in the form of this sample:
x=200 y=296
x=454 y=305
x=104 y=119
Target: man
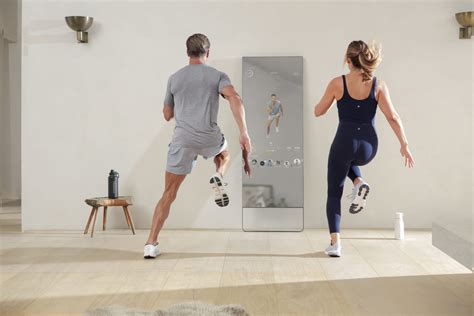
x=275 y=111
x=192 y=98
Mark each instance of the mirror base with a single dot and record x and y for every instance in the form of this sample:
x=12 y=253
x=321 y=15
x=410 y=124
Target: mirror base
x=273 y=219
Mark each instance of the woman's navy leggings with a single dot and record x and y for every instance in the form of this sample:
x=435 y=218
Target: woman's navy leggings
x=354 y=145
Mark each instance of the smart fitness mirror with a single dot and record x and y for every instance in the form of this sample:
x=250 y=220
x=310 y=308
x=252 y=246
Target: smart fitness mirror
x=272 y=89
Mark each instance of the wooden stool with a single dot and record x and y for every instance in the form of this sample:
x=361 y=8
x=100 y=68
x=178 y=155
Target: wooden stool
x=96 y=203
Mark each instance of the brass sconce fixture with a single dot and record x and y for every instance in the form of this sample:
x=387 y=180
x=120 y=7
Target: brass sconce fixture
x=80 y=24
x=466 y=20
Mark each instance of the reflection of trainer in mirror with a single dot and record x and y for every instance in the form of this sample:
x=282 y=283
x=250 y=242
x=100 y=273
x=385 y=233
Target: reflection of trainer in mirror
x=358 y=94
x=275 y=111
x=192 y=98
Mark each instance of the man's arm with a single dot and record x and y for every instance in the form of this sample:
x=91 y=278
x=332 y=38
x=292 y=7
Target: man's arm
x=168 y=108
x=238 y=111
x=168 y=112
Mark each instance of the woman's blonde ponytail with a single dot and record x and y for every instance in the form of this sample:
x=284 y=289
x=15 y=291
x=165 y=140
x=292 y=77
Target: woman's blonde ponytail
x=364 y=57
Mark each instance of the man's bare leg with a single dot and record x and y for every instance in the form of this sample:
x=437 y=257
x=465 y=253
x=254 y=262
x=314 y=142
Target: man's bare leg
x=222 y=162
x=216 y=181
x=162 y=209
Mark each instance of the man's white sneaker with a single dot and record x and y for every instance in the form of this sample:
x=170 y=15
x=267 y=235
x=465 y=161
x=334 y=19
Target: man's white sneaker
x=334 y=250
x=151 y=251
x=217 y=184
x=277 y=129
x=358 y=197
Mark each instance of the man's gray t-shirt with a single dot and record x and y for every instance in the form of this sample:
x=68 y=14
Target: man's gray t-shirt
x=193 y=92
x=276 y=108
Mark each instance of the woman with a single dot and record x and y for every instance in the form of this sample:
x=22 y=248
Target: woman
x=358 y=94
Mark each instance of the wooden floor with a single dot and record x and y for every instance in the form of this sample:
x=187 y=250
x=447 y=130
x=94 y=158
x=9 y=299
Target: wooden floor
x=65 y=273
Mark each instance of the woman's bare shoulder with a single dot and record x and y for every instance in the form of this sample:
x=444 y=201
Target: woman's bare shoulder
x=336 y=85
x=336 y=82
x=380 y=88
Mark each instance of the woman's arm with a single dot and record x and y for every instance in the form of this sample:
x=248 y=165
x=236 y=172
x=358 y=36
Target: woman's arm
x=386 y=105
x=328 y=98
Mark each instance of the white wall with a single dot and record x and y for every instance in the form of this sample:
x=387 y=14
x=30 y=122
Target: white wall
x=89 y=108
x=10 y=100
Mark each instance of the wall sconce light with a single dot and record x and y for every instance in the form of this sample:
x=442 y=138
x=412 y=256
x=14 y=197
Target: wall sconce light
x=466 y=20
x=80 y=24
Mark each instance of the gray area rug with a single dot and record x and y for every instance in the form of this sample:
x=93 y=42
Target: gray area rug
x=181 y=309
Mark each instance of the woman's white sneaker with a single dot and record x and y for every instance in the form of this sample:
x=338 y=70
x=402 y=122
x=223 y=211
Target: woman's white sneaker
x=334 y=250
x=359 y=197
x=217 y=184
x=151 y=251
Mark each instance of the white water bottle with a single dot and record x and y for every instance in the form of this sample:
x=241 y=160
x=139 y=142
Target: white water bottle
x=399 y=226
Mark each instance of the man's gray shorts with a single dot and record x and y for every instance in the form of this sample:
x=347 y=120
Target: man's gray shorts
x=181 y=160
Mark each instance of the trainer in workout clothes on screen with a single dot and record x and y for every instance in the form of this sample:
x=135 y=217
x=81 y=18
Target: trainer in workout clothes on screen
x=192 y=99
x=275 y=111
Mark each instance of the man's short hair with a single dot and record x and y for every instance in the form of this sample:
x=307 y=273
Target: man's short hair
x=197 y=45
x=273 y=95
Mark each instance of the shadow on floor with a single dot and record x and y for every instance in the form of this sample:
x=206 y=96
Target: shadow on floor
x=407 y=295
x=369 y=238
x=51 y=255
